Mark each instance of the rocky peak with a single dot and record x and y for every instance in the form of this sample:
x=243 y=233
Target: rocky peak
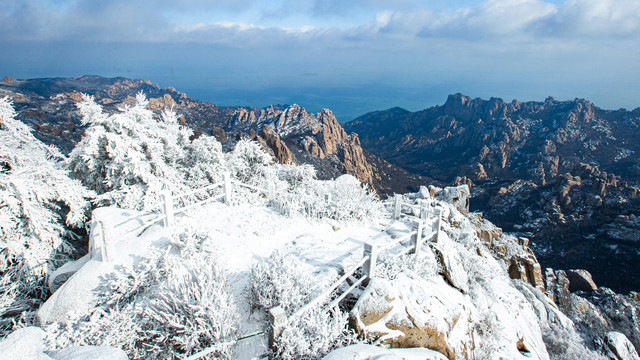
x=319 y=136
x=293 y=120
x=8 y=80
x=466 y=109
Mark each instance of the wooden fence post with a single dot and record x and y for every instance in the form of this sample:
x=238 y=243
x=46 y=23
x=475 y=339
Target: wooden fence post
x=167 y=207
x=423 y=210
x=369 y=267
x=438 y=223
x=226 y=186
x=106 y=232
x=94 y=236
x=277 y=320
x=417 y=238
x=327 y=198
x=397 y=206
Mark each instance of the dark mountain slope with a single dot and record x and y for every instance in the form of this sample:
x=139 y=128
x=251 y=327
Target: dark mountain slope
x=563 y=173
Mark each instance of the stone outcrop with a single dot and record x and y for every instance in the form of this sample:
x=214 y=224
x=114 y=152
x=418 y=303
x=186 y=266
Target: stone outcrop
x=619 y=347
x=8 y=80
x=557 y=284
x=580 y=280
x=527 y=269
x=570 y=214
x=458 y=196
x=318 y=135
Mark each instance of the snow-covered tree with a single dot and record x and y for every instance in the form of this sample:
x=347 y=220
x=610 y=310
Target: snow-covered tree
x=40 y=207
x=172 y=304
x=278 y=281
x=129 y=157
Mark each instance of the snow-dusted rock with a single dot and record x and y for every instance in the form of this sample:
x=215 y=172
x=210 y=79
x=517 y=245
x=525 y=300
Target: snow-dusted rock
x=415 y=312
x=458 y=196
x=619 y=347
x=24 y=344
x=581 y=280
x=451 y=264
x=89 y=352
x=77 y=295
x=370 y=352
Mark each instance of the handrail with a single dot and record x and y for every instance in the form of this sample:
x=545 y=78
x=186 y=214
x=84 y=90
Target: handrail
x=346 y=292
x=197 y=190
x=249 y=186
x=188 y=207
x=329 y=290
x=420 y=234
x=396 y=241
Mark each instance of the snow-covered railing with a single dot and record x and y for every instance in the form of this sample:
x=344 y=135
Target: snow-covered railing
x=101 y=232
x=278 y=317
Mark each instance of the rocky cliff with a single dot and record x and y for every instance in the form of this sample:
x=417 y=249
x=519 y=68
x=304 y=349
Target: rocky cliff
x=294 y=135
x=492 y=139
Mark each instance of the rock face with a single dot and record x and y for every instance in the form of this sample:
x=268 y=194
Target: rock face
x=494 y=139
x=527 y=269
x=585 y=208
x=427 y=314
x=294 y=135
x=466 y=306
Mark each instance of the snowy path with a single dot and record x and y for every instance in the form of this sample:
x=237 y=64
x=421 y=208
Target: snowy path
x=245 y=234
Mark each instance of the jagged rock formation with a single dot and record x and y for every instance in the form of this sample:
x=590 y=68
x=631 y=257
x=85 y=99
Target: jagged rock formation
x=48 y=105
x=585 y=208
x=318 y=136
x=496 y=140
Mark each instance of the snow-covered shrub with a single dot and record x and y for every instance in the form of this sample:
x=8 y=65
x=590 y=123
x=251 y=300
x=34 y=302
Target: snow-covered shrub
x=176 y=303
x=204 y=162
x=423 y=265
x=343 y=199
x=128 y=158
x=40 y=207
x=313 y=335
x=279 y=281
x=249 y=164
x=566 y=344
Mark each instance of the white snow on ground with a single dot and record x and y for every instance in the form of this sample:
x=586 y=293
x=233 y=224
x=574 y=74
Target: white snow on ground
x=370 y=352
x=249 y=233
x=243 y=235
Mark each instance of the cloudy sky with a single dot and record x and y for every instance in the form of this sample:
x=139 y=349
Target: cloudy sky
x=351 y=56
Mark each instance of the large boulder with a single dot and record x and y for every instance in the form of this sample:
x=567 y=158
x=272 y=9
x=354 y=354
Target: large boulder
x=458 y=196
x=430 y=313
x=527 y=269
x=24 y=344
x=581 y=280
x=89 y=352
x=619 y=347
x=415 y=313
x=451 y=264
x=76 y=296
